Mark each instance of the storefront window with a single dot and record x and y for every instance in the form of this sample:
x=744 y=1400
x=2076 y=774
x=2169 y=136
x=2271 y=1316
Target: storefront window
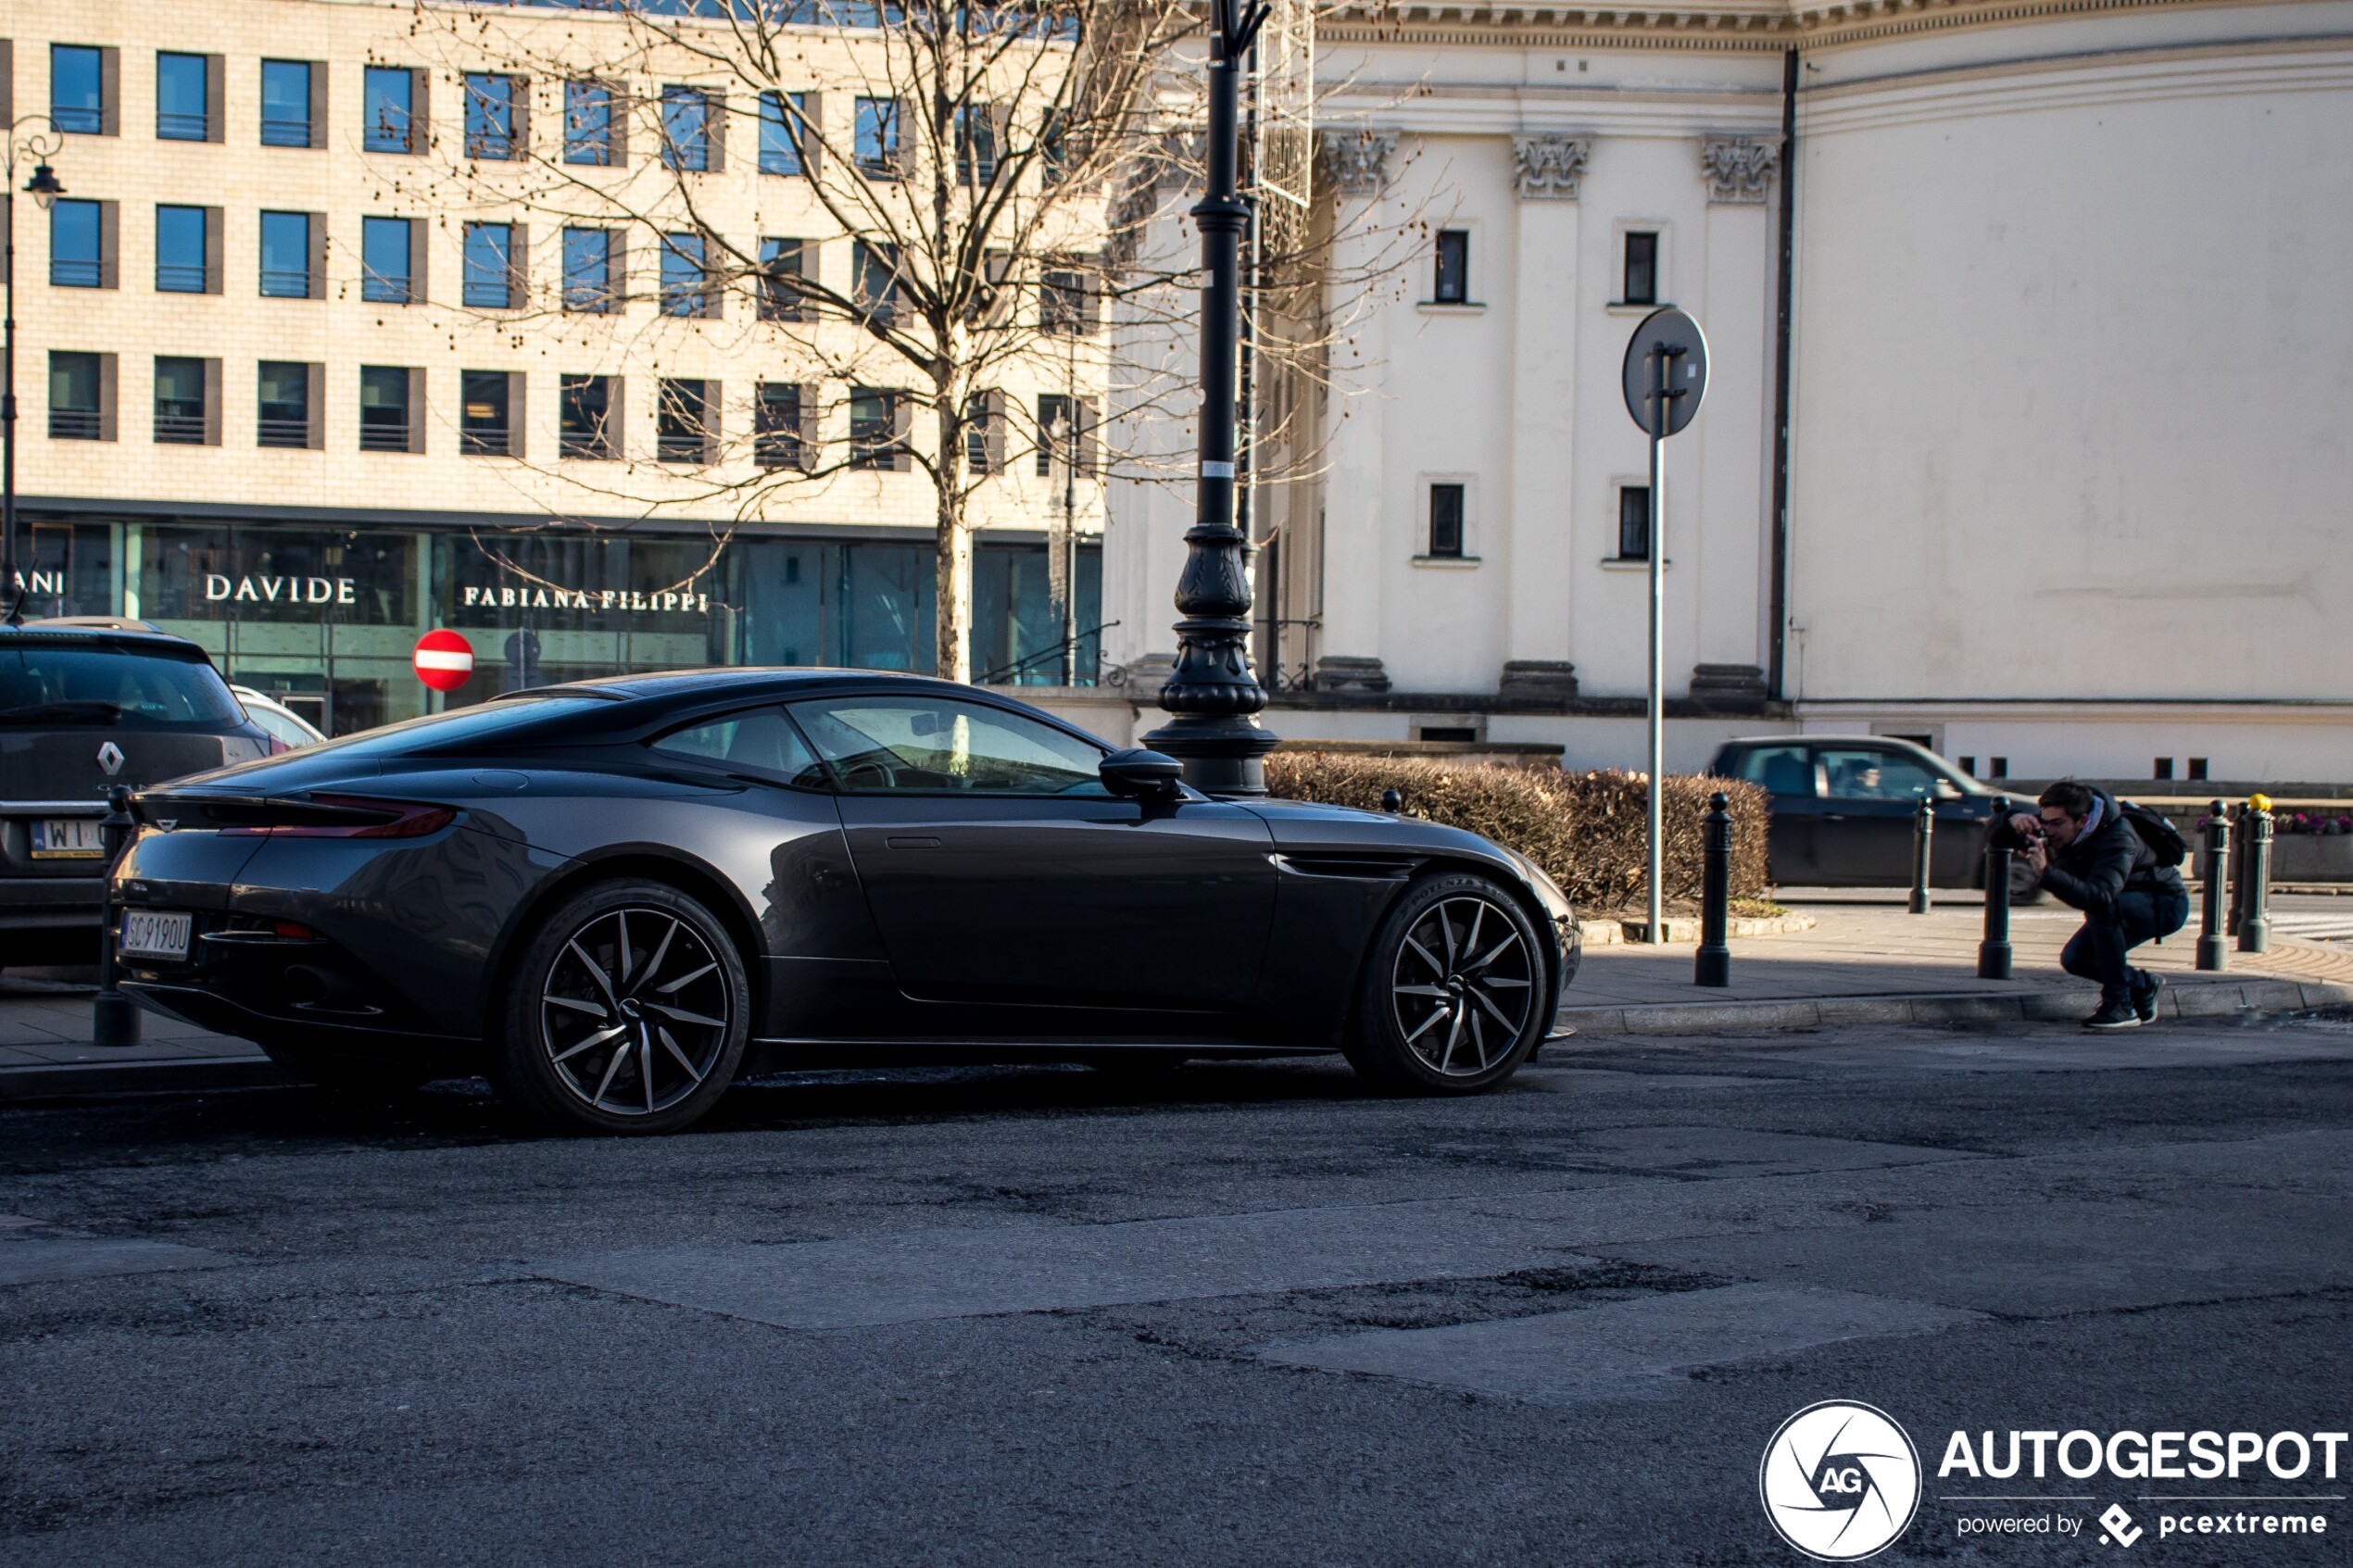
x=68 y=570
x=550 y=607
x=1017 y=627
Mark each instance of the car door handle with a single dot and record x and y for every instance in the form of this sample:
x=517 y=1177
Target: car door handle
x=1833 y=816
x=911 y=841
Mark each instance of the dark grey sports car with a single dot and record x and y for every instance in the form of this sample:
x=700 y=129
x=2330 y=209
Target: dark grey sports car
x=607 y=894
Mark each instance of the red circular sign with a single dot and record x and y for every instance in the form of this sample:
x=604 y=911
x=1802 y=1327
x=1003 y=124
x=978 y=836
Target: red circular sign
x=444 y=659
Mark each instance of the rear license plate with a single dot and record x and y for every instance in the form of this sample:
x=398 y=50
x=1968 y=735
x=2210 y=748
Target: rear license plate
x=66 y=838
x=151 y=934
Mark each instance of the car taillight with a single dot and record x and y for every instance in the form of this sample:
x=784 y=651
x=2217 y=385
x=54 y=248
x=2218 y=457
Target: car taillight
x=291 y=932
x=345 y=816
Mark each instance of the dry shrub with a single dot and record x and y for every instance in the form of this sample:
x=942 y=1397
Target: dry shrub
x=1584 y=829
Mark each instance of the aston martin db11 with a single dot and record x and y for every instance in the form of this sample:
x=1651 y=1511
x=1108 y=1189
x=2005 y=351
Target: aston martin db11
x=614 y=897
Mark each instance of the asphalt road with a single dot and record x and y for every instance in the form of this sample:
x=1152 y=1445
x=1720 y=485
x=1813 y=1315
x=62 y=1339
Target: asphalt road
x=1243 y=1315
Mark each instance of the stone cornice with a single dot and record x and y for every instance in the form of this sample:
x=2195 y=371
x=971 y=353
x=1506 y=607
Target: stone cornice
x=1729 y=26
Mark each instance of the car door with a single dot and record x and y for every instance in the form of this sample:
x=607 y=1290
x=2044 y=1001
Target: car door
x=1870 y=796
x=1788 y=776
x=998 y=869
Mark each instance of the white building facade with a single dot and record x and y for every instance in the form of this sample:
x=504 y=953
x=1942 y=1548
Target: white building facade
x=2064 y=489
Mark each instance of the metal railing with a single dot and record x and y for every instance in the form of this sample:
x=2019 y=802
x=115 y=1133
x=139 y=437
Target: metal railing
x=172 y=127
x=80 y=121
x=1006 y=673
x=281 y=132
x=76 y=424
x=483 y=441
x=280 y=432
x=584 y=443
x=383 y=435
x=383 y=288
x=180 y=430
x=177 y=277
x=281 y=283
x=65 y=272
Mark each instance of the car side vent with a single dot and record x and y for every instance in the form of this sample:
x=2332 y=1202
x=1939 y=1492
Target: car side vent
x=1370 y=868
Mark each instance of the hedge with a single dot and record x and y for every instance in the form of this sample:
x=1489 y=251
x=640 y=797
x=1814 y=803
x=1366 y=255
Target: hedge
x=1584 y=829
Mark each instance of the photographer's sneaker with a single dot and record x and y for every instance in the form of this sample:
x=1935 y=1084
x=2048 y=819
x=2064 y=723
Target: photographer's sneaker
x=2145 y=995
x=2118 y=1014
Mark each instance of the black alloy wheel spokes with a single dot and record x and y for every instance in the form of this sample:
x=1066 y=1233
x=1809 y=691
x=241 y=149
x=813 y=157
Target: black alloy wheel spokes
x=636 y=1011
x=1462 y=986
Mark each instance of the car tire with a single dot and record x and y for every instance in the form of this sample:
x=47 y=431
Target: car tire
x=626 y=1010
x=1452 y=1000
x=367 y=1077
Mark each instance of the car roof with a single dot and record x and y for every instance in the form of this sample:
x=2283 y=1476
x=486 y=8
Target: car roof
x=743 y=680
x=161 y=643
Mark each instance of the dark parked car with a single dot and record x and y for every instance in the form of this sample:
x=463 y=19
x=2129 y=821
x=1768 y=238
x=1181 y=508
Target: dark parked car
x=604 y=894
x=1842 y=807
x=83 y=707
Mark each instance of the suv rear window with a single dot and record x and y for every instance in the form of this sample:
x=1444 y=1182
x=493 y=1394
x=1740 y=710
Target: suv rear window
x=55 y=686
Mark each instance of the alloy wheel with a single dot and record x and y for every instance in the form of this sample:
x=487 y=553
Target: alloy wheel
x=635 y=1012
x=1461 y=985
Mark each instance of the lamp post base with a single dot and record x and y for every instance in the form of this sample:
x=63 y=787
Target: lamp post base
x=1224 y=755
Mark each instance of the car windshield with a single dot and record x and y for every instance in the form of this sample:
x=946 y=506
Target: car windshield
x=461 y=726
x=94 y=684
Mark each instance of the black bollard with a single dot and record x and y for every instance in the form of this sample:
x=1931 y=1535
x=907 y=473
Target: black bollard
x=1924 y=842
x=114 y=1017
x=1392 y=802
x=1994 y=952
x=2213 y=950
x=2255 y=875
x=1713 y=966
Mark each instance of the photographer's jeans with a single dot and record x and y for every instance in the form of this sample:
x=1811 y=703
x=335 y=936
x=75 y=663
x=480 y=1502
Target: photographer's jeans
x=2098 y=952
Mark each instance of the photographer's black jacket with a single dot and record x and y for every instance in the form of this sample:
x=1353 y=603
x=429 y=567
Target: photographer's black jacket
x=2090 y=872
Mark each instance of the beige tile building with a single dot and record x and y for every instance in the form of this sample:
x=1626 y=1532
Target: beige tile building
x=328 y=344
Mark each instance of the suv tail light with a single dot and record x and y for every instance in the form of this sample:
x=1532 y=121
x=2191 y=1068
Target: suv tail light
x=340 y=816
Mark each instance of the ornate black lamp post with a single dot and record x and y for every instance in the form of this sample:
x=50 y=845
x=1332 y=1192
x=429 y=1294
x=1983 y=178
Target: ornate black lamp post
x=40 y=144
x=1213 y=695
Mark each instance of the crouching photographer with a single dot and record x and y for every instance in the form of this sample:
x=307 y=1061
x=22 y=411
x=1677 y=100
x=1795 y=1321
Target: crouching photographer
x=2116 y=862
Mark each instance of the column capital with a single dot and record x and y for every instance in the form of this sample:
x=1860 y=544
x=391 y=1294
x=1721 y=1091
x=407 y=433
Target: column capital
x=1356 y=162
x=1738 y=169
x=1548 y=168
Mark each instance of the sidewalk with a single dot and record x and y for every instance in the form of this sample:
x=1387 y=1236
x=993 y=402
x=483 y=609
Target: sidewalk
x=1864 y=962
x=1875 y=962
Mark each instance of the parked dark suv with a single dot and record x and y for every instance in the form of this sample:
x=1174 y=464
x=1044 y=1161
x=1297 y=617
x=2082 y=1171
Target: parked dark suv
x=1842 y=808
x=83 y=707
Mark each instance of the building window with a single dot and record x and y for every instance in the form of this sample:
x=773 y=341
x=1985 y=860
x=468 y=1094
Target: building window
x=493 y=116
x=490 y=265
x=589 y=271
x=984 y=444
x=875 y=281
x=77 y=245
x=77 y=409
x=388 y=97
x=874 y=417
x=285 y=104
x=682 y=422
x=1446 y=522
x=386 y=419
x=286 y=254
x=685 y=279
x=1053 y=146
x=588 y=124
x=78 y=89
x=1451 y=285
x=388 y=263
x=183 y=98
x=1054 y=408
x=183 y=411
x=685 y=129
x=484 y=428
x=977 y=143
x=1633 y=522
x=588 y=423
x=1062 y=304
x=185 y=250
x=285 y=411
x=782 y=115
x=1641 y=269
x=780 y=274
x=776 y=426
x=877 y=134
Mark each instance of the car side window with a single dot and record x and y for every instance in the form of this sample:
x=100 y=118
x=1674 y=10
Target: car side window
x=761 y=741
x=1780 y=770
x=1868 y=773
x=936 y=746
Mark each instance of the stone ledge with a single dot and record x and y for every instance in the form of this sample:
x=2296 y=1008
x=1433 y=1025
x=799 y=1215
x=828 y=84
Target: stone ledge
x=2054 y=1005
x=1684 y=930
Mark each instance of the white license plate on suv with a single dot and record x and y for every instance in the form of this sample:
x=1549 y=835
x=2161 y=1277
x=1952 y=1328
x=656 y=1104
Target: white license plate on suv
x=152 y=933
x=66 y=838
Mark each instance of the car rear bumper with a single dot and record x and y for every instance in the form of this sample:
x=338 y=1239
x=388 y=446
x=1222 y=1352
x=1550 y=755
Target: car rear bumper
x=52 y=903
x=223 y=1015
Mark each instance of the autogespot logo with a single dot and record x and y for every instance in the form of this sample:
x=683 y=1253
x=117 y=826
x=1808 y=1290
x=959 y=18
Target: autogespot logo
x=1839 y=1480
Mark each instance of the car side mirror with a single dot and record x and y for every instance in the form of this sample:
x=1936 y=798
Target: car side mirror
x=1136 y=774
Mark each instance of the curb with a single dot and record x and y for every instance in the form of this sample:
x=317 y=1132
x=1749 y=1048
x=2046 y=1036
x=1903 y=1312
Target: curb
x=86 y=1078
x=1684 y=931
x=2222 y=999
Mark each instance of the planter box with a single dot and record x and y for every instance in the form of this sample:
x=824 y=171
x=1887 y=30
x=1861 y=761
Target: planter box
x=2305 y=856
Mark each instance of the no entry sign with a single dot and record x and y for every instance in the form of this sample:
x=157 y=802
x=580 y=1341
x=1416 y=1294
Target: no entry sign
x=444 y=659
